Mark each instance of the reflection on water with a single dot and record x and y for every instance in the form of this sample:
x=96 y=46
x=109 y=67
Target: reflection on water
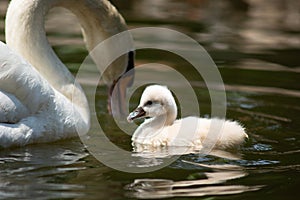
x=36 y=172
x=254 y=43
x=210 y=185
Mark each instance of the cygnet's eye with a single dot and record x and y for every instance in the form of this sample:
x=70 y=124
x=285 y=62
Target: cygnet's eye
x=148 y=103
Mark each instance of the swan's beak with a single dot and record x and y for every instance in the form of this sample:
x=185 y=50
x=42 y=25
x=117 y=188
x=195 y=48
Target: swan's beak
x=137 y=113
x=118 y=108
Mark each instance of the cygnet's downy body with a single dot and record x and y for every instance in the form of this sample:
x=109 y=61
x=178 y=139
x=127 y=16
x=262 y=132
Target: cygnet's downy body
x=161 y=129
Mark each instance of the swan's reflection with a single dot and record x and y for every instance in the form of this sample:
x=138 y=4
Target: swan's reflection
x=210 y=185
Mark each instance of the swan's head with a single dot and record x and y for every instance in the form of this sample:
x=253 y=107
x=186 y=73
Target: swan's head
x=156 y=101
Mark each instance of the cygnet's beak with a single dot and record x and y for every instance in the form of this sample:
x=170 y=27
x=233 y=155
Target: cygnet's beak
x=137 y=113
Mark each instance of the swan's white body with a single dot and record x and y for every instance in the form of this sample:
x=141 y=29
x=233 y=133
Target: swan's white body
x=39 y=98
x=162 y=129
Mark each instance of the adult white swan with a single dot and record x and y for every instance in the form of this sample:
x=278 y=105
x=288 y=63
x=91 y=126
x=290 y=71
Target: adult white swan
x=162 y=129
x=36 y=89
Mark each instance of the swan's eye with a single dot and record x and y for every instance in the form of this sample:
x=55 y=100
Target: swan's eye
x=148 y=103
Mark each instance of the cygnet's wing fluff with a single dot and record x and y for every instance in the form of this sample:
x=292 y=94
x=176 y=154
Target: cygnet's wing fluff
x=199 y=132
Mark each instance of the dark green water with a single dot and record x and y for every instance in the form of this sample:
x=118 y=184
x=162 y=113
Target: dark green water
x=256 y=49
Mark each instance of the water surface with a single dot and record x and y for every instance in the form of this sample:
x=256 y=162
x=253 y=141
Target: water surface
x=255 y=45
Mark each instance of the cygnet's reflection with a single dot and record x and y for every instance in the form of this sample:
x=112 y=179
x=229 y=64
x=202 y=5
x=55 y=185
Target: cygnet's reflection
x=212 y=184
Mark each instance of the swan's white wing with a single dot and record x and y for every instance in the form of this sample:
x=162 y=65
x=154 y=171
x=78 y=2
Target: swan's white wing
x=19 y=78
x=19 y=82
x=11 y=109
x=30 y=109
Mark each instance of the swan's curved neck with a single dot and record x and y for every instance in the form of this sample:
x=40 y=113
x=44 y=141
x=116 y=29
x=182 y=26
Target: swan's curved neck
x=26 y=35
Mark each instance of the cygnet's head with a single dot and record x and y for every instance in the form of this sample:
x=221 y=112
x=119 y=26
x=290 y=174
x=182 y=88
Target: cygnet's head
x=156 y=100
